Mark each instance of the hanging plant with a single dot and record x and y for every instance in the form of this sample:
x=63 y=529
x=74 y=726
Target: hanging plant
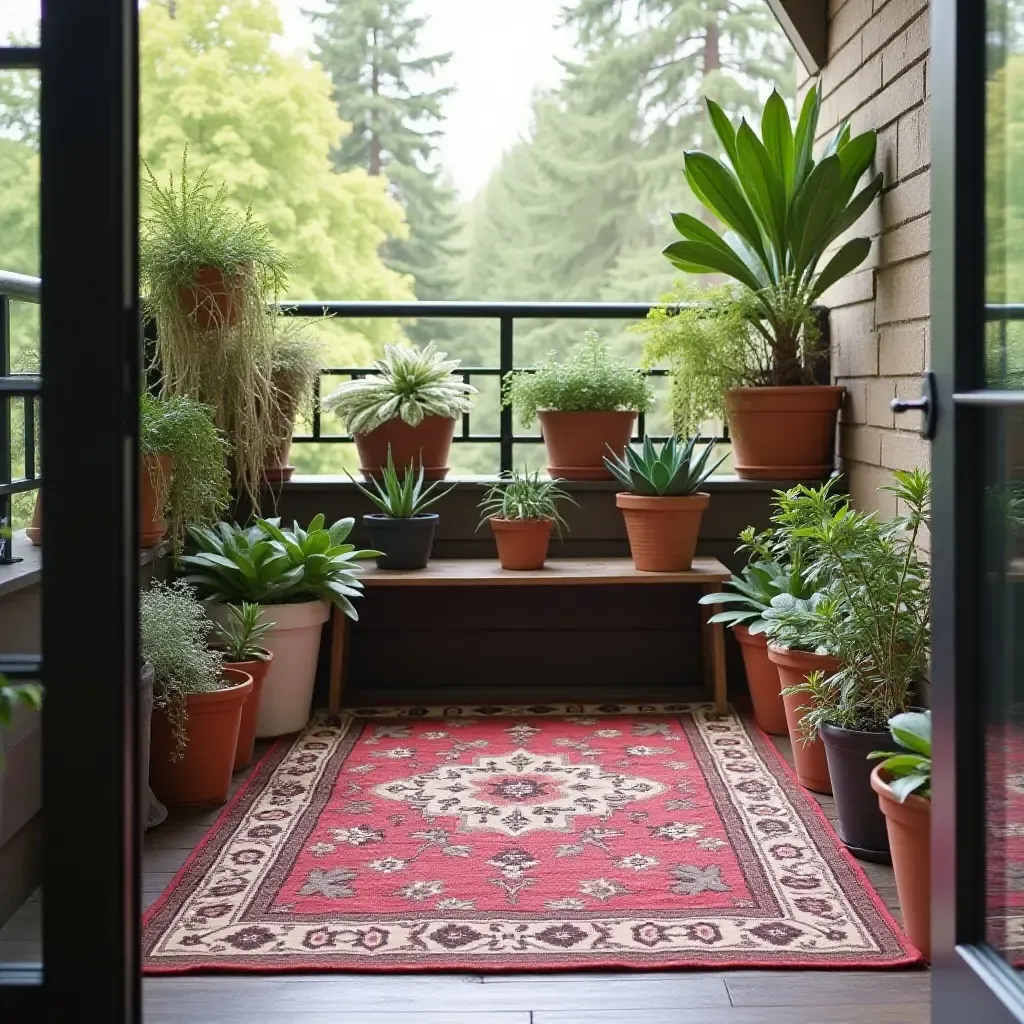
x=208 y=273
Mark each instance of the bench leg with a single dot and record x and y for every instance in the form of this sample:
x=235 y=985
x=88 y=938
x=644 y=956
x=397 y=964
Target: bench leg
x=339 y=660
x=714 y=652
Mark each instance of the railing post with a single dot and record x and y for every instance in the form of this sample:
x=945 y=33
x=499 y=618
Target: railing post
x=506 y=362
x=6 y=542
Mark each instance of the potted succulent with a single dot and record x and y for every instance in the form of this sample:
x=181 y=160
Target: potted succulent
x=239 y=641
x=198 y=701
x=403 y=530
x=586 y=404
x=873 y=613
x=903 y=782
x=522 y=509
x=208 y=273
x=296 y=576
x=663 y=504
x=409 y=405
x=781 y=210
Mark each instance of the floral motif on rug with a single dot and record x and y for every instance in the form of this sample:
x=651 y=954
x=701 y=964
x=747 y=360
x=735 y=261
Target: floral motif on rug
x=521 y=839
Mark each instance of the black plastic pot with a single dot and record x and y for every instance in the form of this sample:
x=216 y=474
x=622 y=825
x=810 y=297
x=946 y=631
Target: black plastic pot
x=861 y=822
x=406 y=543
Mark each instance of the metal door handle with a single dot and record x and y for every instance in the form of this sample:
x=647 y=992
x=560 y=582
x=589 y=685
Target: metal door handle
x=925 y=405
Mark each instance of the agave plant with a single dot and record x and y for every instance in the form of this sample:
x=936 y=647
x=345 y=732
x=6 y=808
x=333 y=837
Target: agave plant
x=401 y=497
x=267 y=565
x=782 y=209
x=409 y=383
x=674 y=472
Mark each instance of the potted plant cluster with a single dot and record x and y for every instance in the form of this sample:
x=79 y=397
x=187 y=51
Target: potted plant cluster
x=198 y=700
x=208 y=273
x=403 y=530
x=238 y=640
x=781 y=210
x=522 y=509
x=586 y=404
x=295 y=576
x=903 y=782
x=408 y=405
x=872 y=615
x=663 y=504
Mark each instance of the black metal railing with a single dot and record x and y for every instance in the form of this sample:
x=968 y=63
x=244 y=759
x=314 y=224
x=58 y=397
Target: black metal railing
x=506 y=314
x=27 y=386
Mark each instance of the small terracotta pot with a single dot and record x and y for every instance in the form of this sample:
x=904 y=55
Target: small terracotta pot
x=794 y=667
x=783 y=433
x=662 y=531
x=429 y=443
x=522 y=543
x=154 y=478
x=577 y=442
x=203 y=775
x=277 y=470
x=910 y=829
x=762 y=681
x=257 y=670
x=213 y=300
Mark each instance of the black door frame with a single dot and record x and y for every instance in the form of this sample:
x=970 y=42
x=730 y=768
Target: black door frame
x=91 y=366
x=970 y=980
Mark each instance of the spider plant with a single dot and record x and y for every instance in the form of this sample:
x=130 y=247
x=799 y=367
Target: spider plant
x=521 y=495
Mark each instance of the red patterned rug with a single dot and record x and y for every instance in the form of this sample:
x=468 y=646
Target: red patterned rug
x=524 y=839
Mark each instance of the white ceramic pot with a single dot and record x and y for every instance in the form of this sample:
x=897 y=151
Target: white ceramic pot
x=294 y=640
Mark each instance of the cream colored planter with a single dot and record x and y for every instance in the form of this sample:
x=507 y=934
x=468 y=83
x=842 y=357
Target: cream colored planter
x=294 y=640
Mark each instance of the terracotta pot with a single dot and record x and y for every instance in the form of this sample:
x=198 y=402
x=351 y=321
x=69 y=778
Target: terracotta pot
x=910 y=827
x=154 y=478
x=277 y=470
x=522 y=543
x=203 y=775
x=430 y=443
x=794 y=667
x=662 y=531
x=861 y=824
x=257 y=671
x=762 y=681
x=213 y=300
x=577 y=442
x=783 y=433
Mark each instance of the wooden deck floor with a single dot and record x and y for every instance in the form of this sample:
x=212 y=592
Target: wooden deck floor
x=663 y=997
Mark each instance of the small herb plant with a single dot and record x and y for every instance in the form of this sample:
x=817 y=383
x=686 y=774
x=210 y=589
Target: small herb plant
x=590 y=379
x=198 y=488
x=401 y=497
x=409 y=384
x=909 y=771
x=172 y=630
x=265 y=564
x=520 y=495
x=239 y=639
x=12 y=695
x=673 y=472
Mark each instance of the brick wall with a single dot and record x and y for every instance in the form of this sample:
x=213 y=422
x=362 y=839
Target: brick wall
x=878 y=75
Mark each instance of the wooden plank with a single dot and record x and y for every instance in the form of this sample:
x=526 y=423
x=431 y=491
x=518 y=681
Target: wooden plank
x=837 y=988
x=476 y=572
x=899 y=1014
x=339 y=659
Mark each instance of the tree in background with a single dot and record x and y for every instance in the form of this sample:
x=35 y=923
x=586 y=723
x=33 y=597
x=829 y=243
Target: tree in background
x=384 y=85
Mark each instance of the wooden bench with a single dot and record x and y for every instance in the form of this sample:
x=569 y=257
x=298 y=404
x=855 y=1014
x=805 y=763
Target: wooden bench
x=708 y=574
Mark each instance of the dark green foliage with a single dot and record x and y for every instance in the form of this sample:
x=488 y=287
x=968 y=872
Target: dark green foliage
x=401 y=497
x=673 y=472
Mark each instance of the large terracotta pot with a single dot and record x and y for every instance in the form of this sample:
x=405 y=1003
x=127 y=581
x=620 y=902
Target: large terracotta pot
x=577 y=442
x=203 y=775
x=257 y=670
x=783 y=433
x=794 y=667
x=522 y=543
x=762 y=681
x=213 y=300
x=910 y=827
x=662 y=531
x=429 y=443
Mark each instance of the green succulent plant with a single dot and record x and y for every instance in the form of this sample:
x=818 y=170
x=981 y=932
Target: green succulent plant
x=401 y=496
x=909 y=770
x=240 y=636
x=267 y=565
x=522 y=495
x=673 y=472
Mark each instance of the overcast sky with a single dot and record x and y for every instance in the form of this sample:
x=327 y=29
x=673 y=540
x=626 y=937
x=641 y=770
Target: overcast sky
x=502 y=52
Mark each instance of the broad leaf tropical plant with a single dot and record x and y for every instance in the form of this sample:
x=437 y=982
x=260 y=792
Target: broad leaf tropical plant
x=782 y=210
x=675 y=471
x=266 y=564
x=910 y=770
x=753 y=592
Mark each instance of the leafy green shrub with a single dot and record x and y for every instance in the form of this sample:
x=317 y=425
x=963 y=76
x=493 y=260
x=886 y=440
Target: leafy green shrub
x=523 y=495
x=590 y=379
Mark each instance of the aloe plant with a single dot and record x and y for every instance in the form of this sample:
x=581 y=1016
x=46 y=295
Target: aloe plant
x=672 y=472
x=401 y=497
x=782 y=210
